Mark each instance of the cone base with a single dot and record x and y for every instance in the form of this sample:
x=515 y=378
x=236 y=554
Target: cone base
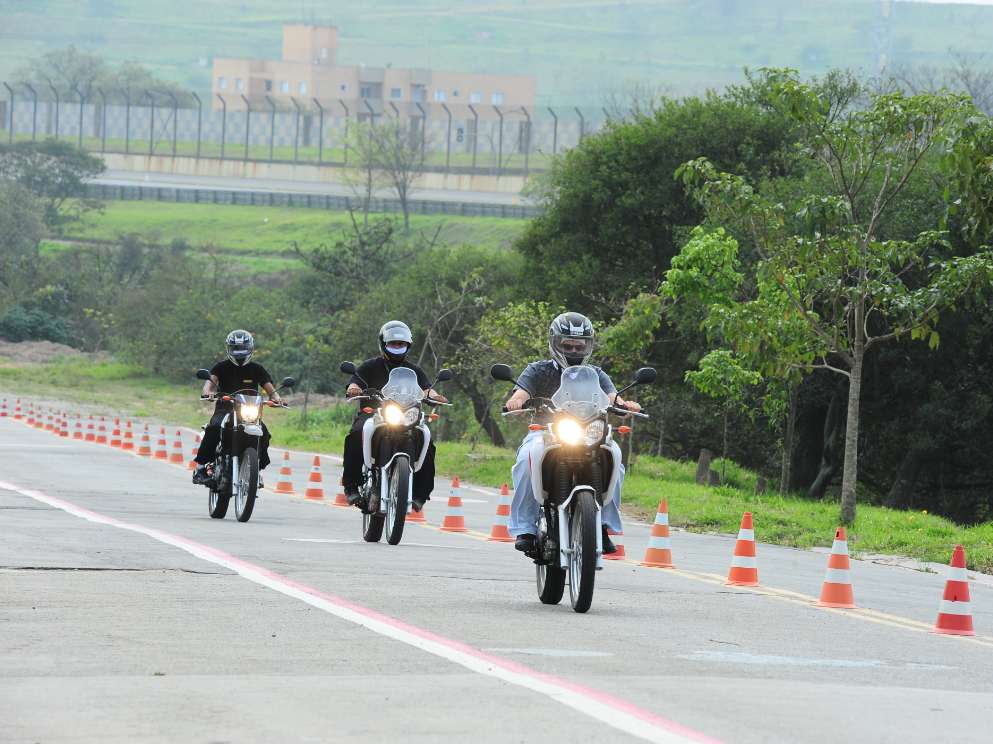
x=281 y=488
x=416 y=517
x=946 y=631
x=500 y=538
x=453 y=529
x=653 y=564
x=729 y=582
x=837 y=605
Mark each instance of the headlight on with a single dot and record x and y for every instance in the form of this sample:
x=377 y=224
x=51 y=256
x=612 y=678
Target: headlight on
x=393 y=414
x=411 y=416
x=569 y=431
x=594 y=432
x=248 y=412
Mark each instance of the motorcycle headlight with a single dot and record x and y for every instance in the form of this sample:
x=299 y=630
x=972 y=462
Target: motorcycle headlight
x=569 y=431
x=393 y=414
x=248 y=412
x=594 y=432
x=411 y=416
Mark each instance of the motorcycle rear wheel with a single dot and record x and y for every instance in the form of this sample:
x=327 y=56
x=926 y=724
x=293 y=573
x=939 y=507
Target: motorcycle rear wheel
x=217 y=500
x=550 y=577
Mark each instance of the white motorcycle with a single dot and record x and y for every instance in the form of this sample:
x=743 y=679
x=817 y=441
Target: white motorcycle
x=395 y=440
x=575 y=465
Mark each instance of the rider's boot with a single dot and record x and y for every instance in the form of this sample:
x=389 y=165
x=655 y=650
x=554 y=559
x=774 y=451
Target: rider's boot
x=526 y=543
x=419 y=501
x=261 y=484
x=352 y=495
x=608 y=544
x=200 y=475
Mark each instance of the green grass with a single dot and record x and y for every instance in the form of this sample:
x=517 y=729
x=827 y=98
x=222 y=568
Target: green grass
x=782 y=519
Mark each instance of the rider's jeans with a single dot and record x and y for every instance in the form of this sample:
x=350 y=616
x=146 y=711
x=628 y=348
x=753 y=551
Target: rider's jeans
x=525 y=511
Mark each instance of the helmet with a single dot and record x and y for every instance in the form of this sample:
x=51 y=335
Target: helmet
x=570 y=339
x=391 y=336
x=240 y=347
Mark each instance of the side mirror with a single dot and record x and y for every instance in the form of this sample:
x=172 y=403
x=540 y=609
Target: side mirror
x=502 y=372
x=645 y=376
x=444 y=375
x=348 y=368
x=203 y=374
x=287 y=382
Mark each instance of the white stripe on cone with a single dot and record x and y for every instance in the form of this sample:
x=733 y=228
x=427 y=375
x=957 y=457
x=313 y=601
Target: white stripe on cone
x=743 y=561
x=838 y=576
x=954 y=608
x=746 y=535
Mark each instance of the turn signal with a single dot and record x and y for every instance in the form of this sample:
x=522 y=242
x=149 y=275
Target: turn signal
x=433 y=417
x=535 y=427
x=623 y=429
x=367 y=410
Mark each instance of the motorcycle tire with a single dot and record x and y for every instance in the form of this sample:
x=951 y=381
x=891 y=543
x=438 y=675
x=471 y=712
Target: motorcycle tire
x=396 y=500
x=372 y=526
x=583 y=555
x=248 y=484
x=550 y=577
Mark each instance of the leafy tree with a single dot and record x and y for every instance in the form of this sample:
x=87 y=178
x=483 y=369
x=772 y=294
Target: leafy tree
x=399 y=156
x=823 y=268
x=21 y=231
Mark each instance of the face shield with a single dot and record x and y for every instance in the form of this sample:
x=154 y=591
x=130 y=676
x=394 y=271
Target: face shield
x=570 y=351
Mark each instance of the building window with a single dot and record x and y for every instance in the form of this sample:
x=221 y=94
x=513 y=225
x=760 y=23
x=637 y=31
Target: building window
x=343 y=87
x=365 y=91
x=268 y=86
x=396 y=92
x=324 y=52
x=302 y=88
x=439 y=96
x=284 y=86
x=239 y=84
x=417 y=93
x=222 y=83
x=476 y=97
x=497 y=98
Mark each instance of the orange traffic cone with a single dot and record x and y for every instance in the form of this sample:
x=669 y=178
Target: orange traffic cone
x=618 y=540
x=77 y=432
x=500 y=533
x=18 y=415
x=454 y=519
x=658 y=554
x=64 y=425
x=192 y=464
x=145 y=445
x=285 y=482
x=955 y=613
x=176 y=457
x=315 y=488
x=29 y=420
x=128 y=442
x=837 y=588
x=49 y=421
x=416 y=516
x=115 y=434
x=161 y=453
x=339 y=498
x=3 y=409
x=91 y=435
x=744 y=569
x=101 y=432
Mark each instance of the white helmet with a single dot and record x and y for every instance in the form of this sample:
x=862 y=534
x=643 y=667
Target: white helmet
x=392 y=335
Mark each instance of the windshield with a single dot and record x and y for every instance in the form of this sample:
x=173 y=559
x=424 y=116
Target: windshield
x=402 y=388
x=252 y=399
x=579 y=393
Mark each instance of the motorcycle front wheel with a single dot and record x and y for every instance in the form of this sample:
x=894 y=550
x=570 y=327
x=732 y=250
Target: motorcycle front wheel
x=248 y=483
x=396 y=500
x=551 y=577
x=582 y=551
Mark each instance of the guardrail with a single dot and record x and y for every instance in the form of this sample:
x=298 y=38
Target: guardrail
x=246 y=197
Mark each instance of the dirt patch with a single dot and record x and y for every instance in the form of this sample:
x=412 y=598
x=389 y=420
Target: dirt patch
x=37 y=352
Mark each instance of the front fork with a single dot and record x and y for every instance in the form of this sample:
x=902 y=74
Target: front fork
x=565 y=522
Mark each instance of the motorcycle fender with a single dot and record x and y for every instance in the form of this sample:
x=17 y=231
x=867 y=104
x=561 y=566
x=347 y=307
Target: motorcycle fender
x=424 y=449
x=565 y=524
x=234 y=475
x=367 y=430
x=384 y=486
x=615 y=469
x=537 y=449
x=254 y=430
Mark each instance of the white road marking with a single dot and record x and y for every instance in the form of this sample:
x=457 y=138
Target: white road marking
x=741 y=657
x=601 y=706
x=556 y=652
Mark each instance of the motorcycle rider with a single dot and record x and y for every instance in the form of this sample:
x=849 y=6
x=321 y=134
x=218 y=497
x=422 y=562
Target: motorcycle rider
x=395 y=341
x=570 y=343
x=234 y=373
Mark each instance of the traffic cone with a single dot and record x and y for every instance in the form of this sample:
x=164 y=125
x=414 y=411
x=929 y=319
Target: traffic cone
x=454 y=519
x=500 y=533
x=340 y=499
x=49 y=421
x=3 y=409
x=91 y=433
x=101 y=432
x=145 y=445
x=77 y=432
x=417 y=516
x=618 y=539
x=115 y=434
x=64 y=425
x=285 y=482
x=176 y=457
x=29 y=420
x=192 y=464
x=955 y=613
x=744 y=569
x=127 y=443
x=39 y=418
x=18 y=415
x=161 y=453
x=315 y=488
x=837 y=588
x=658 y=554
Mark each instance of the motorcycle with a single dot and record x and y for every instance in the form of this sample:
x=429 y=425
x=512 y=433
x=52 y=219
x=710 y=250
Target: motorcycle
x=575 y=465
x=236 y=461
x=395 y=440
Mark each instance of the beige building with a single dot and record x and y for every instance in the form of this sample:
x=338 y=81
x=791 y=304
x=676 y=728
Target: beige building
x=308 y=70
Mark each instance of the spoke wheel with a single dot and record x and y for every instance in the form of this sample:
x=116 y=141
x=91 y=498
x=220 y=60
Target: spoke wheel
x=217 y=501
x=551 y=578
x=396 y=500
x=248 y=483
x=582 y=551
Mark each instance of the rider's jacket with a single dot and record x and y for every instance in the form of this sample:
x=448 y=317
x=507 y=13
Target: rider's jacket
x=232 y=378
x=542 y=379
x=375 y=373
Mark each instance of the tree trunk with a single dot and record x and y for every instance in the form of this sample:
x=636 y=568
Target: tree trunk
x=785 y=474
x=724 y=451
x=850 y=471
x=481 y=410
x=829 y=439
x=703 y=466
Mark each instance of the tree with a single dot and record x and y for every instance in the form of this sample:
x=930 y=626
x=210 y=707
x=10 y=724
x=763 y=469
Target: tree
x=363 y=176
x=822 y=267
x=67 y=70
x=399 y=156
x=21 y=231
x=56 y=173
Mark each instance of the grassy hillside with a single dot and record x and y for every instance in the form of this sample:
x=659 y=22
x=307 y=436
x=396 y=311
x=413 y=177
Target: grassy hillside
x=783 y=519
x=578 y=49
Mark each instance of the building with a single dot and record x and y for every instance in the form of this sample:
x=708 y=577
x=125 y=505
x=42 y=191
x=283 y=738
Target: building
x=308 y=70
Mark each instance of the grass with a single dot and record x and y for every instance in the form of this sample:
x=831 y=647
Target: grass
x=781 y=519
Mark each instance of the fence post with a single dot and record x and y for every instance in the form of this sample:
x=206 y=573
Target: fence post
x=248 y=123
x=555 y=129
x=175 y=119
x=79 y=139
x=58 y=102
x=224 y=121
x=372 y=111
x=424 y=132
x=347 y=116
x=10 y=132
x=34 y=112
x=500 y=146
x=320 y=131
x=199 y=120
x=296 y=129
x=582 y=124
x=475 y=133
x=396 y=111
x=103 y=120
x=527 y=141
x=272 y=124
x=127 y=121
x=151 y=123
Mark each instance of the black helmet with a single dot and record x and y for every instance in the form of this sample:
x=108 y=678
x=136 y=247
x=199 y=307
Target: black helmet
x=240 y=347
x=394 y=333
x=570 y=339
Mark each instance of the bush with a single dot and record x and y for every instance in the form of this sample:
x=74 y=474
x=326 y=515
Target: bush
x=23 y=324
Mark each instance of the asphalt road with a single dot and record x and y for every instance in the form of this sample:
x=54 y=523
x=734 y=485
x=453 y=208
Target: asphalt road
x=126 y=614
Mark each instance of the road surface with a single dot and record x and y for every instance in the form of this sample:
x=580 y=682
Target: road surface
x=126 y=614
